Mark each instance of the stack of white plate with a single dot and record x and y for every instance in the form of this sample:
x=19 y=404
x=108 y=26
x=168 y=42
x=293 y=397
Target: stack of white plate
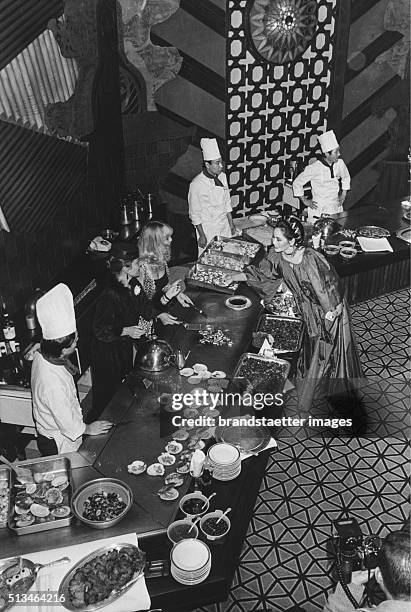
x=225 y=461
x=190 y=561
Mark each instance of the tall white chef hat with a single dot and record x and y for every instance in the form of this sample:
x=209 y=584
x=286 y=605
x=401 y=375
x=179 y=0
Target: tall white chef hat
x=55 y=312
x=210 y=149
x=328 y=141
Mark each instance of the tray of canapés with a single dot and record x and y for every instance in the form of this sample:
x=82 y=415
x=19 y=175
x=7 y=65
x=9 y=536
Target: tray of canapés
x=255 y=373
x=234 y=247
x=40 y=496
x=285 y=334
x=209 y=277
x=282 y=304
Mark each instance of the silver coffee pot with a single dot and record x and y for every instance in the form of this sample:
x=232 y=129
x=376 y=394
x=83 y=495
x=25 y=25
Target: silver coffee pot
x=154 y=355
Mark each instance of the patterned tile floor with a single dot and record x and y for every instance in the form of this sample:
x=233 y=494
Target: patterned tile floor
x=286 y=558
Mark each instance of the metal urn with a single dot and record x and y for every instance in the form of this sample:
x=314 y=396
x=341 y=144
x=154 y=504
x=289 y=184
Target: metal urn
x=326 y=226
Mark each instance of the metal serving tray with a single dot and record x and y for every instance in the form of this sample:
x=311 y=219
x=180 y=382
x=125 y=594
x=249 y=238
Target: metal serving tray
x=230 y=289
x=64 y=592
x=232 y=242
x=5 y=477
x=235 y=263
x=58 y=466
x=266 y=360
x=264 y=318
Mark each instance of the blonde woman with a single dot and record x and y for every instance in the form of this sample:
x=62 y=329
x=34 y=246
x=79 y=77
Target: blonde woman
x=154 y=246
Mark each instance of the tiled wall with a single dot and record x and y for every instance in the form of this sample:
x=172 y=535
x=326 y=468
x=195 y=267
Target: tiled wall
x=273 y=112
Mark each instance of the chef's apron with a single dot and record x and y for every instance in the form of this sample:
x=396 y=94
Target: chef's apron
x=218 y=224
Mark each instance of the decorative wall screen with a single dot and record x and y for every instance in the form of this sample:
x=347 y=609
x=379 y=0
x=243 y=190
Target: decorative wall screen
x=37 y=77
x=273 y=111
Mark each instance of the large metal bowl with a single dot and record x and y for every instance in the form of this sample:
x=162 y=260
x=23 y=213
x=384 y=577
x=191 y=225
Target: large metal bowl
x=101 y=485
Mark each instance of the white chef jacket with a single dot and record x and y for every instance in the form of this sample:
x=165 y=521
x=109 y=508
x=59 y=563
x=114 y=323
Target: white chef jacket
x=208 y=205
x=56 y=408
x=325 y=186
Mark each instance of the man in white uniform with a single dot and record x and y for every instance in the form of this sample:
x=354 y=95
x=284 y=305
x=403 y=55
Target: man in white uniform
x=56 y=409
x=209 y=202
x=325 y=176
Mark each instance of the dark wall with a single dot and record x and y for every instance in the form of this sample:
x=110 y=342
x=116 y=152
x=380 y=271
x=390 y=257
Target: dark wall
x=32 y=256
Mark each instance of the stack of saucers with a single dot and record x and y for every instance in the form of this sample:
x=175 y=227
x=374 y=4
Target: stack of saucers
x=190 y=561
x=225 y=461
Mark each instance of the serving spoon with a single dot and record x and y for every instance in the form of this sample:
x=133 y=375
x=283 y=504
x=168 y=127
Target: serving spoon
x=25 y=571
x=23 y=474
x=194 y=522
x=224 y=514
x=208 y=499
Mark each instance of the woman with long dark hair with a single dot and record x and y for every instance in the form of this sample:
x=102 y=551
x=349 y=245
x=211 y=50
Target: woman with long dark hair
x=330 y=351
x=123 y=315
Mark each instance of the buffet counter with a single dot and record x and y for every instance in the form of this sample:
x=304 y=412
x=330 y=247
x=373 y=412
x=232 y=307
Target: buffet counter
x=137 y=434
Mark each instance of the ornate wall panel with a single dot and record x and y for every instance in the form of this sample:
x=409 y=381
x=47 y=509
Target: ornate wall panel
x=273 y=111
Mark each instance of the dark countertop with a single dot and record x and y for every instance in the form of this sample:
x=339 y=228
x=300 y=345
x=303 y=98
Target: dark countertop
x=137 y=434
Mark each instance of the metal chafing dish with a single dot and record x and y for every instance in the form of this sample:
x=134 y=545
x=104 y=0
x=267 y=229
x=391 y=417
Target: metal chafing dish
x=154 y=355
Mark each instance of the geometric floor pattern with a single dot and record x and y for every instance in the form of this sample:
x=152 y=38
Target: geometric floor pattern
x=287 y=559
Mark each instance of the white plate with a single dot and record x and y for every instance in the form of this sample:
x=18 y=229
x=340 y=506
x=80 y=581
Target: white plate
x=224 y=454
x=166 y=459
x=187 y=372
x=194 y=380
x=137 y=467
x=155 y=469
x=190 y=555
x=174 y=448
x=200 y=367
x=218 y=374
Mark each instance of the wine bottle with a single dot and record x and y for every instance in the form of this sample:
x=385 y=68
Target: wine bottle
x=9 y=330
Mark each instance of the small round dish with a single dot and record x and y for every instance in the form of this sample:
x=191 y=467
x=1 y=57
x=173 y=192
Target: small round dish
x=186 y=372
x=156 y=469
x=238 y=302
x=137 y=467
x=181 y=530
x=218 y=374
x=331 y=249
x=347 y=244
x=166 y=459
x=194 y=504
x=213 y=530
x=174 y=448
x=348 y=253
x=200 y=367
x=168 y=493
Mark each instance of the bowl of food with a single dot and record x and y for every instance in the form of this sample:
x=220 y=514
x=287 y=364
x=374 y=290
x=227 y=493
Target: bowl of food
x=102 y=503
x=212 y=527
x=347 y=244
x=194 y=504
x=182 y=530
x=348 y=253
x=331 y=249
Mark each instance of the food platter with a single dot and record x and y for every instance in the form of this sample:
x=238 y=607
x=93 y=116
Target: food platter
x=51 y=490
x=405 y=234
x=287 y=332
x=373 y=231
x=246 y=439
x=64 y=593
x=269 y=372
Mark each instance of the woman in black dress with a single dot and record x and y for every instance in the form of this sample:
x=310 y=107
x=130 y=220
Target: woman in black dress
x=123 y=315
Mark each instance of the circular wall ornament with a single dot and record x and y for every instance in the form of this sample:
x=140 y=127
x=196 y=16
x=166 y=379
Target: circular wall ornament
x=278 y=31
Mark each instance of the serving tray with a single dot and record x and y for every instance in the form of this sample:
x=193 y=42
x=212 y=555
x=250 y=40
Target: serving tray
x=282 y=363
x=231 y=289
x=59 y=466
x=294 y=321
x=373 y=231
x=232 y=247
x=64 y=595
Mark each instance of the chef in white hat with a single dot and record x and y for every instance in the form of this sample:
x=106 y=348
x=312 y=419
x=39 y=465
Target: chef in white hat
x=56 y=409
x=209 y=202
x=329 y=178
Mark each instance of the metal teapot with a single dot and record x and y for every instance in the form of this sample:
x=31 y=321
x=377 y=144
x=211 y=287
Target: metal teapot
x=154 y=355
x=326 y=226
